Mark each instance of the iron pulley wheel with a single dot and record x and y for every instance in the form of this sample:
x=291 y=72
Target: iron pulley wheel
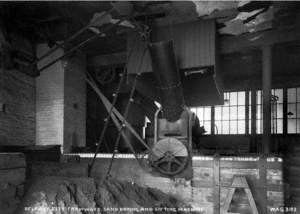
x=170 y=156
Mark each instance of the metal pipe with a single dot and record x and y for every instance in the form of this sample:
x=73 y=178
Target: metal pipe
x=167 y=76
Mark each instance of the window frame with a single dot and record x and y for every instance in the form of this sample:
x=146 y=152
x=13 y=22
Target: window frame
x=281 y=118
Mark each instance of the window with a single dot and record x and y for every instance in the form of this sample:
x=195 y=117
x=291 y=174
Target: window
x=259 y=110
x=230 y=117
x=204 y=115
x=233 y=118
x=293 y=110
x=276 y=111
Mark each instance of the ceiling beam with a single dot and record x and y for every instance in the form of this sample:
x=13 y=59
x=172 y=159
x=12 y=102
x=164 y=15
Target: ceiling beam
x=231 y=44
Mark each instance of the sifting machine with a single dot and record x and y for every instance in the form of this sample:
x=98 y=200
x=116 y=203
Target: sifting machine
x=172 y=147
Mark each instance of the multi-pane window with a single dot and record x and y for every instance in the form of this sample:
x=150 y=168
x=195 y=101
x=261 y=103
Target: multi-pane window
x=204 y=116
x=249 y=113
x=230 y=117
x=293 y=110
x=276 y=111
x=259 y=110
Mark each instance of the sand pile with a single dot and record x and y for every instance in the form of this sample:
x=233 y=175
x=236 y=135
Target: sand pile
x=59 y=195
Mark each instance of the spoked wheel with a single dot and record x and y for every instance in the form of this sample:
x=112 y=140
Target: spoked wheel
x=170 y=156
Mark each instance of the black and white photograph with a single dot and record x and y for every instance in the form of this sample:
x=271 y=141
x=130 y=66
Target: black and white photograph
x=149 y=107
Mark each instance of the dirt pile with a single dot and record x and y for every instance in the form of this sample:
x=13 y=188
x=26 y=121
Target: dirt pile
x=59 y=195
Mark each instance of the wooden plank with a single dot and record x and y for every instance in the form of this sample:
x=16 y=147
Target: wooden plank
x=274 y=165
x=203 y=173
x=270 y=187
x=239 y=164
x=201 y=184
x=274 y=176
x=216 y=184
x=12 y=160
x=206 y=164
x=227 y=201
x=275 y=197
x=227 y=175
x=12 y=176
x=251 y=201
x=263 y=182
x=275 y=188
x=243 y=158
x=203 y=196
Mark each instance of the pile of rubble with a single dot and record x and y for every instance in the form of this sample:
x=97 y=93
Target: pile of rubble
x=62 y=195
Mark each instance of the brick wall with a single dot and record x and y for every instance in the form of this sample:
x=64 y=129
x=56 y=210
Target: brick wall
x=61 y=101
x=74 y=103
x=50 y=100
x=17 y=123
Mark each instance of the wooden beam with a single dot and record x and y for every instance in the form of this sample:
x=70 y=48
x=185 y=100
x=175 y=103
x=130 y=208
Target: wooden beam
x=216 y=181
x=262 y=183
x=116 y=116
x=231 y=44
x=212 y=122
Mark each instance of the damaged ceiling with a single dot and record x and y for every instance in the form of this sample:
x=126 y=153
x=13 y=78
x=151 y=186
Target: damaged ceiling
x=56 y=21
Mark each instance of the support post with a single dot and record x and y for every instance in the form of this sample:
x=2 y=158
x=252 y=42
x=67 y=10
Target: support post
x=216 y=184
x=285 y=111
x=247 y=113
x=263 y=183
x=253 y=122
x=212 y=122
x=266 y=85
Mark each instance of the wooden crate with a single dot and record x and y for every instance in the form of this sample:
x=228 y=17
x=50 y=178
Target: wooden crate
x=214 y=176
